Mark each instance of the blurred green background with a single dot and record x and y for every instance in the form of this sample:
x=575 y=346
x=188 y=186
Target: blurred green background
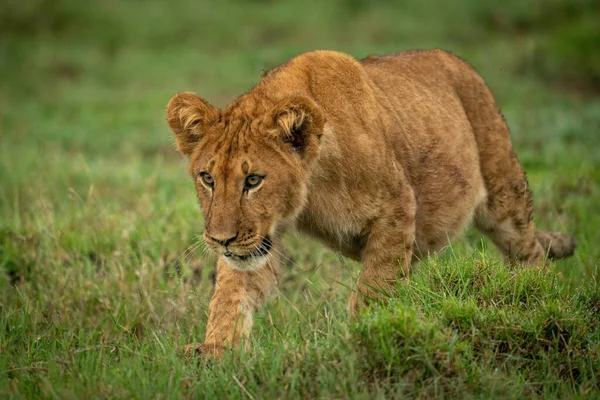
x=96 y=209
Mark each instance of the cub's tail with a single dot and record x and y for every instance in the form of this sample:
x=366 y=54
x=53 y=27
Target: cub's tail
x=556 y=244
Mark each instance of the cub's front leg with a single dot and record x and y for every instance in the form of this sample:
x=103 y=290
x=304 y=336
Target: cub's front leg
x=387 y=254
x=238 y=294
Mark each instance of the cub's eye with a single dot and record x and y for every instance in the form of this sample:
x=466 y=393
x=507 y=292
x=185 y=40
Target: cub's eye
x=253 y=181
x=207 y=179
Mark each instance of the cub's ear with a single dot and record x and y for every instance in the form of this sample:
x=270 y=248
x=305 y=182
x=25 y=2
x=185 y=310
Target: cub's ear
x=299 y=121
x=188 y=116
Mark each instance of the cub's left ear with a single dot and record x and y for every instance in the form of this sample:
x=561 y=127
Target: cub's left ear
x=188 y=116
x=299 y=121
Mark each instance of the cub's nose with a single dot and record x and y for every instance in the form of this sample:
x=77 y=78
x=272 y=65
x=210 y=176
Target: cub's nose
x=223 y=240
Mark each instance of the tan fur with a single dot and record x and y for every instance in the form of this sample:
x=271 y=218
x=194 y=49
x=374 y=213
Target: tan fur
x=383 y=159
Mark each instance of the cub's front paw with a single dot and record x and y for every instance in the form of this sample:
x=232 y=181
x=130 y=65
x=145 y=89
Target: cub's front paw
x=204 y=350
x=360 y=300
x=356 y=303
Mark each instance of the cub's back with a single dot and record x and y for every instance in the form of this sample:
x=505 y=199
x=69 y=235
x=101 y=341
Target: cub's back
x=418 y=88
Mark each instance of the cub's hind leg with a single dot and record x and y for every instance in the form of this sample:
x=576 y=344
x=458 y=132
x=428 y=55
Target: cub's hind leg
x=506 y=218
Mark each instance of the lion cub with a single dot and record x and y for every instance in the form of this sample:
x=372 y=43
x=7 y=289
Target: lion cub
x=382 y=159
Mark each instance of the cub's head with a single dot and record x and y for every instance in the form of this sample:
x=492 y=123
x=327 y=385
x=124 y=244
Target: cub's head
x=250 y=166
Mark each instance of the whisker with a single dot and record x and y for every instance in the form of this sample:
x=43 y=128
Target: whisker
x=188 y=253
x=275 y=251
x=204 y=248
x=260 y=247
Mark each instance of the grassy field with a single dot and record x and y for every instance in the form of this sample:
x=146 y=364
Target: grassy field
x=98 y=292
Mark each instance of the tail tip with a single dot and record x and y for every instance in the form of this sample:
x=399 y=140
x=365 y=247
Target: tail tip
x=562 y=247
x=557 y=244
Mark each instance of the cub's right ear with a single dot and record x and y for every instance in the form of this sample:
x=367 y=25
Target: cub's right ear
x=188 y=116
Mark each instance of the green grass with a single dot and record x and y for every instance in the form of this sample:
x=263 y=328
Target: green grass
x=97 y=293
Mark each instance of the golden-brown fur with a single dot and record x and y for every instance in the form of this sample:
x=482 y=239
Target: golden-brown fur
x=383 y=159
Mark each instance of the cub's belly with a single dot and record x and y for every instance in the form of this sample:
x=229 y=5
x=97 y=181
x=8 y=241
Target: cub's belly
x=445 y=205
x=349 y=240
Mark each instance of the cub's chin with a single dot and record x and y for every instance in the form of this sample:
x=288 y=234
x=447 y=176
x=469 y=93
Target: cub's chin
x=249 y=263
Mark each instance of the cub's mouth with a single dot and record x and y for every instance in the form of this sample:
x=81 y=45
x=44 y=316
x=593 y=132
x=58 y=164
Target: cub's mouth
x=262 y=250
